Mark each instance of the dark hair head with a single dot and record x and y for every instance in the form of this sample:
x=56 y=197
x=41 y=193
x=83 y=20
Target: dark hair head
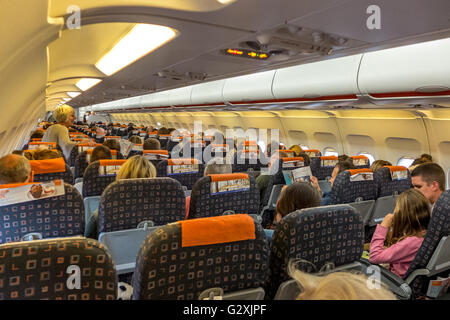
x=378 y=164
x=100 y=153
x=430 y=172
x=345 y=165
x=135 y=139
x=112 y=144
x=297 y=196
x=306 y=158
x=152 y=144
x=343 y=157
x=426 y=156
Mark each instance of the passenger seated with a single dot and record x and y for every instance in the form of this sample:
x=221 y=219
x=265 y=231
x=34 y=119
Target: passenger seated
x=338 y=286
x=112 y=144
x=429 y=179
x=152 y=144
x=14 y=169
x=135 y=167
x=402 y=231
x=378 y=164
x=340 y=167
x=135 y=139
x=37 y=134
x=100 y=153
x=297 y=196
x=297 y=150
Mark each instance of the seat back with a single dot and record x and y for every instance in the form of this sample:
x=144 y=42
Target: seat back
x=126 y=203
x=214 y=194
x=164 y=140
x=383 y=206
x=58 y=269
x=51 y=169
x=181 y=260
x=83 y=159
x=353 y=185
x=361 y=162
x=322 y=167
x=57 y=216
x=392 y=180
x=98 y=175
x=186 y=171
x=438 y=227
x=329 y=234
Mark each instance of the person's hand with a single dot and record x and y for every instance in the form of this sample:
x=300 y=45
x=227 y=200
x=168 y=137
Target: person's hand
x=315 y=183
x=387 y=221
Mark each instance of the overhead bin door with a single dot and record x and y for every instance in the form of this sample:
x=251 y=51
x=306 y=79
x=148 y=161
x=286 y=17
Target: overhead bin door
x=207 y=93
x=330 y=79
x=416 y=70
x=250 y=87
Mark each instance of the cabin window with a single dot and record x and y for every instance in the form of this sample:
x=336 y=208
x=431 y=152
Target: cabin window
x=368 y=155
x=329 y=151
x=405 y=161
x=304 y=147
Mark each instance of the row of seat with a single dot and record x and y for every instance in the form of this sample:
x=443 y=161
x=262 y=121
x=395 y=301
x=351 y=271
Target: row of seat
x=181 y=260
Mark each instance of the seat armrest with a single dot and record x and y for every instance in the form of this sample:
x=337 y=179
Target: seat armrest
x=397 y=285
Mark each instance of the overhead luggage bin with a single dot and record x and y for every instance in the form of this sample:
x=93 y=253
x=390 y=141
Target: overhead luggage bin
x=180 y=96
x=159 y=99
x=334 y=79
x=252 y=87
x=207 y=93
x=418 y=70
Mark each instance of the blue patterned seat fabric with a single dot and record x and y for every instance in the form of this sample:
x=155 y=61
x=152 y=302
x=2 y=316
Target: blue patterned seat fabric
x=203 y=204
x=73 y=155
x=125 y=203
x=329 y=234
x=60 y=216
x=345 y=191
x=438 y=227
x=319 y=171
x=386 y=186
x=43 y=270
x=186 y=179
x=93 y=183
x=166 y=270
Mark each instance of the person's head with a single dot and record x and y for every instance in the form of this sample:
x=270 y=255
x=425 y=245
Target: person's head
x=152 y=144
x=274 y=159
x=37 y=134
x=14 y=169
x=217 y=166
x=135 y=139
x=297 y=150
x=429 y=179
x=340 y=167
x=136 y=167
x=100 y=153
x=419 y=161
x=18 y=152
x=338 y=286
x=411 y=216
x=306 y=158
x=343 y=157
x=378 y=164
x=426 y=156
x=218 y=138
x=112 y=144
x=297 y=196
x=272 y=148
x=64 y=115
x=45 y=154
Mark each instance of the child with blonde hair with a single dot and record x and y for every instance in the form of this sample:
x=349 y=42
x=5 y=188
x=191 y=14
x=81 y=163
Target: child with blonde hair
x=402 y=232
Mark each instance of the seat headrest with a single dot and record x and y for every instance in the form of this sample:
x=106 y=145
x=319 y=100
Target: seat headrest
x=356 y=171
x=228 y=176
x=155 y=152
x=112 y=162
x=176 y=162
x=48 y=166
x=214 y=230
x=396 y=168
x=287 y=159
x=329 y=158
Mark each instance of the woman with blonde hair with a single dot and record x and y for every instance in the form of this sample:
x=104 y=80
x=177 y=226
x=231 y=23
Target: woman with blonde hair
x=338 y=286
x=378 y=164
x=402 y=232
x=135 y=167
x=59 y=133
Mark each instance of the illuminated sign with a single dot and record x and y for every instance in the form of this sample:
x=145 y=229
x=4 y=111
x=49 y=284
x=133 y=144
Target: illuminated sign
x=256 y=55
